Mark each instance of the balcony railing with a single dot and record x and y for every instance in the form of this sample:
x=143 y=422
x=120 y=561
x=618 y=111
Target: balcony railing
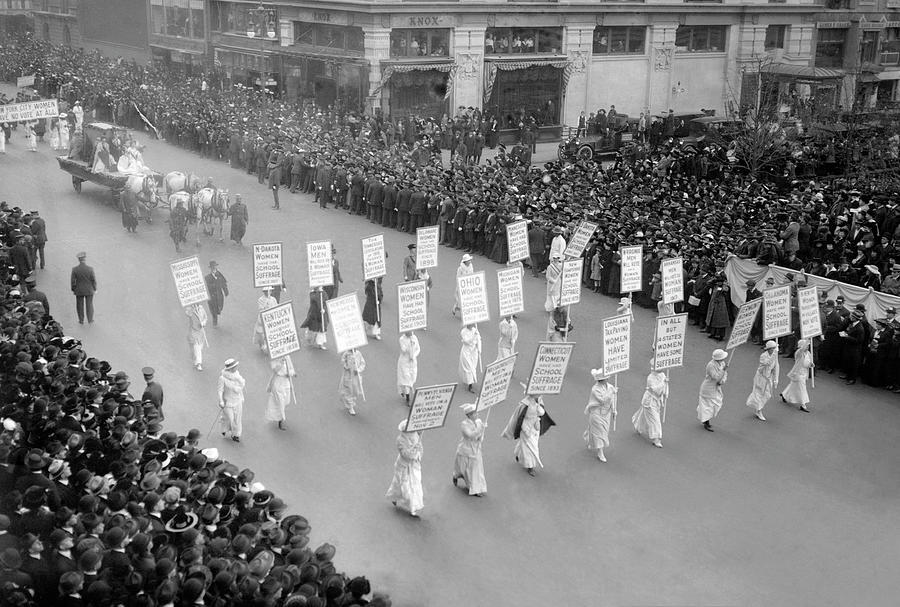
x=889 y=58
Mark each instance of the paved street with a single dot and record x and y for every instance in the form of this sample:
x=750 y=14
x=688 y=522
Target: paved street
x=800 y=510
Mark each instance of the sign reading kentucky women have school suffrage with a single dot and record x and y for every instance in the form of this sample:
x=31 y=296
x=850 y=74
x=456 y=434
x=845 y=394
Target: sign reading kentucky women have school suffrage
x=189 y=281
x=280 y=330
x=268 y=265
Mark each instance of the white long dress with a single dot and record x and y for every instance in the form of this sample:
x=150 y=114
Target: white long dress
x=463 y=270
x=64 y=135
x=263 y=302
x=765 y=380
x=281 y=389
x=796 y=392
x=599 y=410
x=527 y=450
x=711 y=397
x=407 y=363
x=554 y=275
x=350 y=388
x=469 y=465
x=647 y=419
x=54 y=135
x=509 y=334
x=469 y=354
x=406 y=485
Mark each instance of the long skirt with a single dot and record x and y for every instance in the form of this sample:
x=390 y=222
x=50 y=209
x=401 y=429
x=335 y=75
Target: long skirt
x=350 y=388
x=646 y=420
x=406 y=486
x=279 y=396
x=468 y=365
x=527 y=450
x=471 y=469
x=597 y=433
x=762 y=392
x=796 y=393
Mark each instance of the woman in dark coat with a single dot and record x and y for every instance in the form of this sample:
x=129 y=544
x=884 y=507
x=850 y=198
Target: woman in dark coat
x=316 y=323
x=717 y=320
x=239 y=219
x=372 y=309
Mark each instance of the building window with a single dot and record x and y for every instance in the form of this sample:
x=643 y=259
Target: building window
x=46 y=30
x=837 y=5
x=67 y=36
x=700 y=39
x=775 y=36
x=243 y=18
x=420 y=43
x=509 y=40
x=619 y=40
x=329 y=36
x=179 y=18
x=868 y=46
x=890 y=47
x=830 y=47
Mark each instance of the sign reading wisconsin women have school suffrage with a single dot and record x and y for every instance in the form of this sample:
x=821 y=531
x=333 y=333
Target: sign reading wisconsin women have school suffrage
x=268 y=265
x=495 y=385
x=672 y=280
x=580 y=239
x=810 y=320
x=473 y=301
x=374 y=261
x=616 y=344
x=517 y=240
x=743 y=324
x=429 y=407
x=346 y=322
x=509 y=291
x=318 y=263
x=570 y=283
x=549 y=369
x=669 y=350
x=189 y=281
x=776 y=312
x=280 y=330
x=412 y=309
x=427 y=247
x=632 y=270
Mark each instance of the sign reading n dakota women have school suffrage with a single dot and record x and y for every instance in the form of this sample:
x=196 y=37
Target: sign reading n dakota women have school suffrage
x=473 y=301
x=427 y=247
x=268 y=265
x=672 y=280
x=318 y=263
x=570 y=283
x=549 y=369
x=189 y=281
x=580 y=239
x=632 y=269
x=280 y=330
x=374 y=261
x=810 y=320
x=776 y=312
x=517 y=240
x=509 y=291
x=495 y=386
x=412 y=311
x=346 y=322
x=616 y=344
x=429 y=407
x=670 y=332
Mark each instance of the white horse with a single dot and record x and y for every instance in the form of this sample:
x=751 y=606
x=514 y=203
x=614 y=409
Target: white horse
x=213 y=207
x=177 y=181
x=144 y=188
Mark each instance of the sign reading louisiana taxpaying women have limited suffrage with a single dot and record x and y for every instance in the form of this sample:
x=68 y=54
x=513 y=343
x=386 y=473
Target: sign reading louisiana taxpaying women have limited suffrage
x=495 y=386
x=280 y=330
x=346 y=322
x=616 y=344
x=810 y=320
x=743 y=324
x=776 y=312
x=632 y=269
x=318 y=263
x=517 y=240
x=473 y=301
x=412 y=309
x=268 y=265
x=549 y=369
x=580 y=239
x=189 y=281
x=669 y=349
x=374 y=261
x=672 y=280
x=429 y=407
x=509 y=291
x=427 y=247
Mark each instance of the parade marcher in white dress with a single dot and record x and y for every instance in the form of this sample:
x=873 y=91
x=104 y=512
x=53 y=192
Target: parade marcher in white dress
x=648 y=418
x=78 y=111
x=351 y=388
x=711 y=397
x=197 y=320
x=624 y=308
x=31 y=134
x=528 y=422
x=796 y=393
x=554 y=286
x=465 y=268
x=509 y=334
x=231 y=399
x=558 y=244
x=406 y=487
x=54 y=134
x=469 y=465
x=600 y=409
x=765 y=380
x=408 y=364
x=263 y=303
x=281 y=390
x=63 y=126
x=469 y=355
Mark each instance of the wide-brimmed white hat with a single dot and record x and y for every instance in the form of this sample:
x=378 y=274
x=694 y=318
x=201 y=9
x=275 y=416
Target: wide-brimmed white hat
x=719 y=354
x=468 y=408
x=231 y=363
x=598 y=374
x=466 y=257
x=771 y=344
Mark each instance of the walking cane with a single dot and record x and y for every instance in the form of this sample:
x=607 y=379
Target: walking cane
x=322 y=309
x=213 y=425
x=812 y=356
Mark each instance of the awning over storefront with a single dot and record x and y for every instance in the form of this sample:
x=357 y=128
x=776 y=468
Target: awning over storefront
x=390 y=69
x=801 y=72
x=491 y=67
x=186 y=51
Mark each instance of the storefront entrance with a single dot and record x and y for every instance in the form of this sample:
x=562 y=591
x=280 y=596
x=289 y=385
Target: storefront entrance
x=339 y=84
x=522 y=94
x=418 y=93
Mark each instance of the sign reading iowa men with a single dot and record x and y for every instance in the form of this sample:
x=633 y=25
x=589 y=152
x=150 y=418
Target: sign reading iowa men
x=517 y=240
x=427 y=248
x=318 y=263
x=280 y=330
x=632 y=270
x=549 y=369
x=429 y=407
x=346 y=322
x=267 y=265
x=374 y=262
x=412 y=311
x=473 y=301
x=189 y=281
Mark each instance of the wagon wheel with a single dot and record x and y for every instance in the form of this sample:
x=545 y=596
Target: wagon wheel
x=585 y=152
x=76 y=183
x=561 y=153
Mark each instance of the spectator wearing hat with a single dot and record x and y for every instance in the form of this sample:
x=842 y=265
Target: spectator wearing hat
x=217 y=286
x=70 y=585
x=280 y=389
x=35 y=295
x=600 y=409
x=465 y=269
x=37 y=568
x=409 y=264
x=876 y=371
x=405 y=491
x=855 y=339
x=711 y=396
x=153 y=392
x=84 y=285
x=10 y=570
x=765 y=380
x=39 y=233
x=648 y=418
x=469 y=465
x=231 y=399
x=795 y=393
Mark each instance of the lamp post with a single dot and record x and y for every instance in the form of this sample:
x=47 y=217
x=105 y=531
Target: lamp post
x=260 y=16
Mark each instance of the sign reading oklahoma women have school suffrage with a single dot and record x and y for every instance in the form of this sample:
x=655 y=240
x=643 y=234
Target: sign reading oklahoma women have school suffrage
x=776 y=312
x=189 y=281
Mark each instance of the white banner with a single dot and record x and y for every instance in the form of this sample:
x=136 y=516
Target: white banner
x=670 y=332
x=318 y=263
x=189 y=281
x=268 y=265
x=580 y=239
x=776 y=312
x=570 y=283
x=412 y=308
x=374 y=261
x=549 y=369
x=280 y=330
x=473 y=301
x=30 y=110
x=509 y=291
x=426 y=248
x=429 y=407
x=810 y=319
x=616 y=344
x=743 y=324
x=632 y=269
x=672 y=280
x=346 y=322
x=517 y=240
x=25 y=81
x=495 y=385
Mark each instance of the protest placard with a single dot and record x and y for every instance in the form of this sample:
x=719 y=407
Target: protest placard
x=374 y=261
x=672 y=280
x=473 y=301
x=669 y=347
x=412 y=311
x=280 y=330
x=25 y=81
x=318 y=263
x=580 y=239
x=743 y=324
x=30 y=110
x=570 y=284
x=549 y=369
x=346 y=322
x=427 y=248
x=517 y=240
x=776 y=312
x=616 y=344
x=632 y=271
x=509 y=290
x=189 y=281
x=810 y=319
x=268 y=265
x=495 y=385
x=429 y=407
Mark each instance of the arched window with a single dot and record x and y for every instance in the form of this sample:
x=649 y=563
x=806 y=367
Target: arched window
x=46 y=29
